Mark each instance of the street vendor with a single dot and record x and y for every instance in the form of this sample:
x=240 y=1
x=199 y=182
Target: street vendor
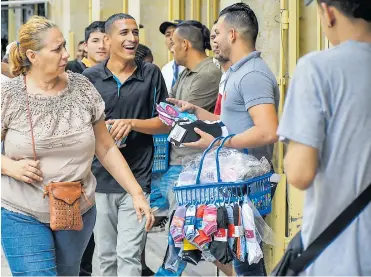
x=250 y=98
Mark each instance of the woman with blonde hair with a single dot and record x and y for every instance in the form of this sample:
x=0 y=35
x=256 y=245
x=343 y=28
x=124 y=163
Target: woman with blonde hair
x=52 y=126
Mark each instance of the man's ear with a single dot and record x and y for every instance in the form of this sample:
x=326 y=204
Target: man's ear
x=328 y=14
x=186 y=44
x=232 y=35
x=86 y=47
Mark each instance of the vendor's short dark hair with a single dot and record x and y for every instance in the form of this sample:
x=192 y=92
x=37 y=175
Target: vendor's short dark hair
x=242 y=18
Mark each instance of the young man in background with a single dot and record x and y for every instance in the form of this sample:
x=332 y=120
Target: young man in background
x=96 y=47
x=171 y=70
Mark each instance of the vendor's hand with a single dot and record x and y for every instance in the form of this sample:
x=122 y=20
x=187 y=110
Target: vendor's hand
x=203 y=143
x=120 y=128
x=27 y=171
x=141 y=207
x=184 y=106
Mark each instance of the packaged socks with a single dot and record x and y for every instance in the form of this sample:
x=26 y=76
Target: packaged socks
x=209 y=220
x=219 y=247
x=189 y=228
x=232 y=230
x=172 y=262
x=201 y=239
x=255 y=252
x=177 y=224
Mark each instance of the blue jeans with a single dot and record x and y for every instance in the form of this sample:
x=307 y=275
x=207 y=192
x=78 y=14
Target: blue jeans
x=162 y=194
x=167 y=180
x=33 y=249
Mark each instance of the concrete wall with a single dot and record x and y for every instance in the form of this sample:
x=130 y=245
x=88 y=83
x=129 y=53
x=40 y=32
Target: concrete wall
x=267 y=12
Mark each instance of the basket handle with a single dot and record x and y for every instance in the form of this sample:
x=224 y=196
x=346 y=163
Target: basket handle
x=217 y=156
x=203 y=157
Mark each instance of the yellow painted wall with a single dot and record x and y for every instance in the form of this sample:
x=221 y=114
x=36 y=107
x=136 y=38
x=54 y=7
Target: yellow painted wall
x=79 y=19
x=110 y=7
x=152 y=14
x=307 y=33
x=267 y=12
x=72 y=17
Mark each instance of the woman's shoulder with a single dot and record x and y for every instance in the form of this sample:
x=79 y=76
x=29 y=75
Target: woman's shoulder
x=82 y=86
x=11 y=87
x=79 y=83
x=77 y=79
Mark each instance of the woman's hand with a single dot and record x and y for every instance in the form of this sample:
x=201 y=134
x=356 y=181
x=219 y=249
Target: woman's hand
x=27 y=171
x=141 y=207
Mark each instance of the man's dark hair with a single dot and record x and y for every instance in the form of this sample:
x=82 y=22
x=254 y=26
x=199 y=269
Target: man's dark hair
x=113 y=18
x=142 y=52
x=96 y=26
x=196 y=33
x=80 y=42
x=241 y=17
x=352 y=8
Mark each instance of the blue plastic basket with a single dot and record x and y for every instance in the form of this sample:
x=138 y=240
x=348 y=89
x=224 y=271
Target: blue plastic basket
x=258 y=189
x=161 y=156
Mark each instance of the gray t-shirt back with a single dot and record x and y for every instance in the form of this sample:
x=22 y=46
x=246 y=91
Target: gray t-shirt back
x=249 y=82
x=328 y=107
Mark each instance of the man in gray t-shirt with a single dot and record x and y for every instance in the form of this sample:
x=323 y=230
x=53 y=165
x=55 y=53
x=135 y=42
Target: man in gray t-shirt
x=250 y=96
x=327 y=121
x=249 y=83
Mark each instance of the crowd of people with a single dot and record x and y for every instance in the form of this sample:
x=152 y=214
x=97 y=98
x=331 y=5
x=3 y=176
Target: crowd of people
x=55 y=113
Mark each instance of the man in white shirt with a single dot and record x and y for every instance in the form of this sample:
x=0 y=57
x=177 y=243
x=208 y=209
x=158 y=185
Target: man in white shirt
x=171 y=70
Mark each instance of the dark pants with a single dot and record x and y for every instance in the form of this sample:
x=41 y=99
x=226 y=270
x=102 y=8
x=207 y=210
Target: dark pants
x=86 y=267
x=244 y=269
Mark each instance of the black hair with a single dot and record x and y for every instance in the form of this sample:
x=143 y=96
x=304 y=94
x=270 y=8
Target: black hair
x=142 y=52
x=352 y=8
x=113 y=18
x=80 y=42
x=96 y=26
x=243 y=19
x=196 y=33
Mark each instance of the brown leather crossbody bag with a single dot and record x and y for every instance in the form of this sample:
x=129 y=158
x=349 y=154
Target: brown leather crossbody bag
x=64 y=197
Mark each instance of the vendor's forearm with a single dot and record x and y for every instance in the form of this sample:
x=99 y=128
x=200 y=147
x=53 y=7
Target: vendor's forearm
x=203 y=114
x=252 y=138
x=151 y=126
